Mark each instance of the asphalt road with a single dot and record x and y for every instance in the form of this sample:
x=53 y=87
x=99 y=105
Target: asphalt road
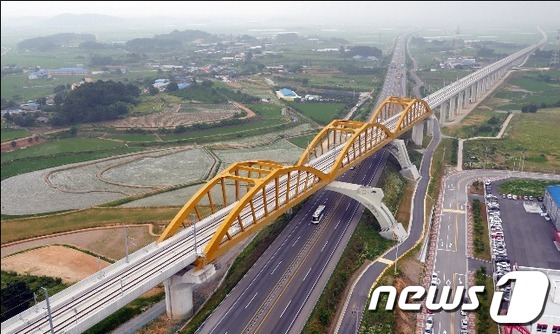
x=528 y=236
x=273 y=295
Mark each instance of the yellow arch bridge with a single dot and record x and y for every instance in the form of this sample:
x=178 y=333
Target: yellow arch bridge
x=249 y=195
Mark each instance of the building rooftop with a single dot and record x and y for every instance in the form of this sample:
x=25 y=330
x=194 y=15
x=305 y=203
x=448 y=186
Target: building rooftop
x=287 y=92
x=554 y=192
x=552 y=306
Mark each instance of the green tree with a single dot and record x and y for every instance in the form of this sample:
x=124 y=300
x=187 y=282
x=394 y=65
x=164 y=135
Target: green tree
x=172 y=87
x=16 y=298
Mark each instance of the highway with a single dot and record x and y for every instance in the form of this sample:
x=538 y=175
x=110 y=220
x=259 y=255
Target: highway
x=272 y=294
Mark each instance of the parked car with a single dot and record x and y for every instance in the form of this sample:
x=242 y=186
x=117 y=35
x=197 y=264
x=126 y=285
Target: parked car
x=430 y=322
x=464 y=323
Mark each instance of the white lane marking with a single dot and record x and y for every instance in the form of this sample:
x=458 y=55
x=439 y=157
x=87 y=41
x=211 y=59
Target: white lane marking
x=324 y=245
x=256 y=293
x=307 y=274
x=296 y=241
x=272 y=272
x=285 y=308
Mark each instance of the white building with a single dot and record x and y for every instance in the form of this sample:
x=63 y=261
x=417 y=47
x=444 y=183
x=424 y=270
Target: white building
x=549 y=321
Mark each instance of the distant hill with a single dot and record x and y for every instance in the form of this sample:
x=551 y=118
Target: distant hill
x=187 y=36
x=54 y=41
x=168 y=42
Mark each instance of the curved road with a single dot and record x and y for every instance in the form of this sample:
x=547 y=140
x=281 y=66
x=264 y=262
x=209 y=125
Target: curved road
x=359 y=294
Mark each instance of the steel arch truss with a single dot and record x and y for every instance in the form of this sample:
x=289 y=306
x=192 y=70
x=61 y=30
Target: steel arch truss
x=411 y=111
x=416 y=110
x=241 y=176
x=267 y=200
x=336 y=133
x=254 y=193
x=262 y=190
x=365 y=141
x=389 y=108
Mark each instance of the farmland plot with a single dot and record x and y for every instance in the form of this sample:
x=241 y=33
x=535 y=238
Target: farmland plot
x=29 y=194
x=295 y=131
x=281 y=151
x=83 y=185
x=181 y=196
x=169 y=170
x=172 y=119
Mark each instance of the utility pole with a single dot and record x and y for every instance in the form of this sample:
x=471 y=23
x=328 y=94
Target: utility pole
x=194 y=233
x=126 y=242
x=48 y=309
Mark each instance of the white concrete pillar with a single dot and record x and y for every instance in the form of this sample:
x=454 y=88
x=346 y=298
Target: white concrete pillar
x=442 y=113
x=460 y=97
x=418 y=133
x=451 y=111
x=179 y=294
x=398 y=149
x=371 y=198
x=430 y=126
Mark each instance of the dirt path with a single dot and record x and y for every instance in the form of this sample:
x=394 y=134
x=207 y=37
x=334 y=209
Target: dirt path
x=21 y=143
x=249 y=112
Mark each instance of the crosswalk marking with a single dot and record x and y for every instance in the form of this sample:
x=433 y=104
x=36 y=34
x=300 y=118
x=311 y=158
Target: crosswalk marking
x=454 y=211
x=384 y=260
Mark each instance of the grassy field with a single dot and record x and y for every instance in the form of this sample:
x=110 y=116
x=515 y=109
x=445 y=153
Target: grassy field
x=10 y=134
x=67 y=145
x=268 y=111
x=360 y=83
x=220 y=131
x=322 y=113
x=59 y=152
x=302 y=141
x=525 y=87
x=132 y=137
x=525 y=187
x=477 y=123
x=24 y=228
x=532 y=138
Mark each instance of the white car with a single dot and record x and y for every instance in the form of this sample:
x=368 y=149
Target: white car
x=430 y=322
x=464 y=323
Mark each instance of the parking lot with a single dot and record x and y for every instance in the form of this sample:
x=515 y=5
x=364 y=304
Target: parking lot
x=527 y=237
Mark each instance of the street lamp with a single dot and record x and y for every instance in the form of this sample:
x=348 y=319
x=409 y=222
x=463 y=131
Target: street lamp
x=48 y=309
x=399 y=240
x=126 y=242
x=194 y=233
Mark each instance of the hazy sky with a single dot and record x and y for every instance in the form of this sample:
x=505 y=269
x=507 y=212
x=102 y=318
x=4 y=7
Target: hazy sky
x=360 y=12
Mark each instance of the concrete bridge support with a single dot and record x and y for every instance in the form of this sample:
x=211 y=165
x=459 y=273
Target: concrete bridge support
x=398 y=150
x=430 y=126
x=178 y=291
x=418 y=133
x=371 y=198
x=452 y=107
x=442 y=112
x=460 y=97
